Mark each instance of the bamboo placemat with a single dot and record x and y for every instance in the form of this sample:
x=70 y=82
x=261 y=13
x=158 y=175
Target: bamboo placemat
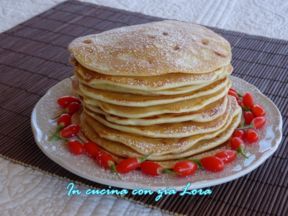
x=34 y=57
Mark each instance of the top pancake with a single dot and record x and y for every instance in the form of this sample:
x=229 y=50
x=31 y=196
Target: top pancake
x=153 y=49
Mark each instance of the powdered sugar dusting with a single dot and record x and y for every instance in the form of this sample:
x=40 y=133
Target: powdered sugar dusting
x=153 y=49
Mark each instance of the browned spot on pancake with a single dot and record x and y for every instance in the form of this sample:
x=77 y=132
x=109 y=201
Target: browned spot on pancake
x=87 y=41
x=205 y=41
x=176 y=47
x=219 y=54
x=150 y=61
x=182 y=140
x=152 y=117
x=164 y=141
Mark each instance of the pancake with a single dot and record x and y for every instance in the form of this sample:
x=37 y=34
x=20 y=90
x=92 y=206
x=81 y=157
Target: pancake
x=125 y=99
x=123 y=151
x=143 y=112
x=177 y=82
x=115 y=148
x=171 y=91
x=174 y=130
x=152 y=49
x=158 y=147
x=208 y=113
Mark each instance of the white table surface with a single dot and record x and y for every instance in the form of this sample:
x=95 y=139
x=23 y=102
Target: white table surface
x=24 y=191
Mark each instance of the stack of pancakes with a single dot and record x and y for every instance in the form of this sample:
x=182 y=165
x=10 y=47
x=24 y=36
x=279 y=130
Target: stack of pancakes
x=159 y=89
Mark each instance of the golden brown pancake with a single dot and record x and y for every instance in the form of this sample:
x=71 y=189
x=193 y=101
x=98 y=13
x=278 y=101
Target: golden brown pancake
x=132 y=100
x=163 y=84
x=207 y=113
x=167 y=130
x=161 y=149
x=145 y=145
x=142 y=112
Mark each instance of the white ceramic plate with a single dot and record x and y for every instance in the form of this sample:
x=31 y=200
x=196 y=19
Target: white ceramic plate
x=85 y=167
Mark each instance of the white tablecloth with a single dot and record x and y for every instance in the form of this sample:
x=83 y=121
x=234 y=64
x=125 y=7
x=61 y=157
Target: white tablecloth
x=24 y=191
